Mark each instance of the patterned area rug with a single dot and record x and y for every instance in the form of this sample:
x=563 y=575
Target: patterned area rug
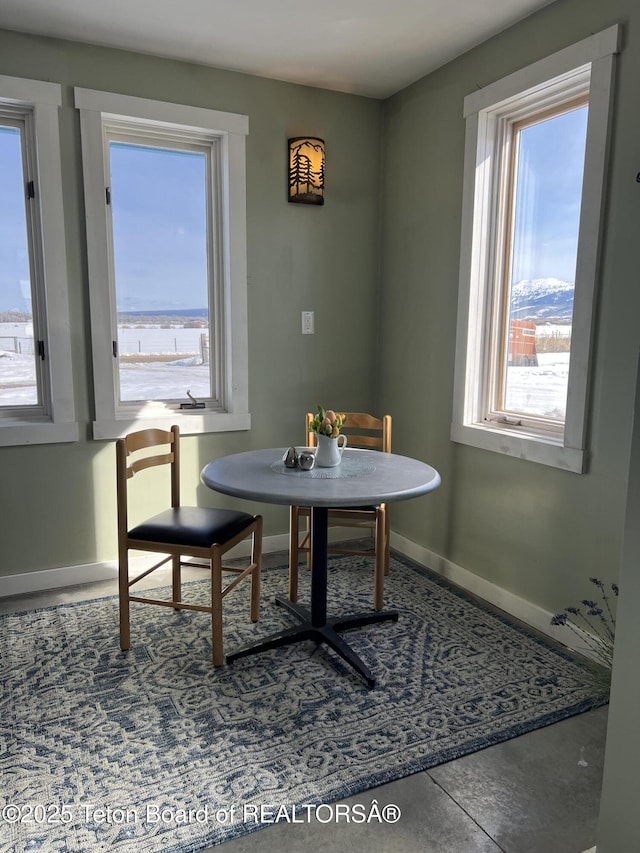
x=157 y=751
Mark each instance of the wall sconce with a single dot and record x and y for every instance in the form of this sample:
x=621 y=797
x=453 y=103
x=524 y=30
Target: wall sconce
x=306 y=170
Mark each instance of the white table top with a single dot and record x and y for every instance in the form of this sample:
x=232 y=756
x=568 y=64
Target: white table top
x=364 y=477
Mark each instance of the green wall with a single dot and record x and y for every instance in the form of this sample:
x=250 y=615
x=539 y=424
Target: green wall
x=618 y=827
x=58 y=501
x=379 y=265
x=536 y=531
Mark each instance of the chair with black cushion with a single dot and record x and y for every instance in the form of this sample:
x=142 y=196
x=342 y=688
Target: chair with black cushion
x=371 y=433
x=180 y=531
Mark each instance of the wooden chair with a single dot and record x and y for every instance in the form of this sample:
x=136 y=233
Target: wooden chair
x=367 y=432
x=200 y=532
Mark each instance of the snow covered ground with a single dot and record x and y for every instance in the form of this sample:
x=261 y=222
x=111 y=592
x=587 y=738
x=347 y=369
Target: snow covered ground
x=138 y=381
x=17 y=379
x=164 y=380
x=157 y=380
x=136 y=339
x=540 y=390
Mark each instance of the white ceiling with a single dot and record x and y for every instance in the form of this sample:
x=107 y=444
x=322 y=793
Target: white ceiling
x=368 y=47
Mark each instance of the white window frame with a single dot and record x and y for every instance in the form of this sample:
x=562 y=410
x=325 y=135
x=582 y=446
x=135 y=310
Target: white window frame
x=563 y=72
x=113 y=418
x=54 y=420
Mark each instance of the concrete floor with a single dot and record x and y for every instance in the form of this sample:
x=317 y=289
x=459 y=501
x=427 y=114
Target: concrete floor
x=538 y=793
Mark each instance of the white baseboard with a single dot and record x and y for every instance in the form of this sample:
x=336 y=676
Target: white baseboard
x=534 y=616
x=522 y=609
x=45 y=579
x=56 y=578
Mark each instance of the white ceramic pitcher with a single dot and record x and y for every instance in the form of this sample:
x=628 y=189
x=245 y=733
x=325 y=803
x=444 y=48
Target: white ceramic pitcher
x=329 y=452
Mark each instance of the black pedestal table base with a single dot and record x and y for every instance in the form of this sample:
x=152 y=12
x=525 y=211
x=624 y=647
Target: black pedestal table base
x=314 y=624
x=327 y=633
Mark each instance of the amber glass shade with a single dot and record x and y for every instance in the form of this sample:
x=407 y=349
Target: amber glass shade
x=306 y=170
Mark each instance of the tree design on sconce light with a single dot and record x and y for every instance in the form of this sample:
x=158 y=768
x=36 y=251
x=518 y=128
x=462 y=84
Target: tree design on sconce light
x=306 y=170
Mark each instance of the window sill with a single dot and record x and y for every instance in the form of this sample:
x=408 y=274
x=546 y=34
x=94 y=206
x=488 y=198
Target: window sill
x=529 y=447
x=190 y=423
x=16 y=433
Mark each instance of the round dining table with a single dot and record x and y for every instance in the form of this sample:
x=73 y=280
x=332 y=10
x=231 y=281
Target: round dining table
x=363 y=478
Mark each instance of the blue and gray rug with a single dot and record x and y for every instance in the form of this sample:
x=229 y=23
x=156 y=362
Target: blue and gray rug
x=157 y=751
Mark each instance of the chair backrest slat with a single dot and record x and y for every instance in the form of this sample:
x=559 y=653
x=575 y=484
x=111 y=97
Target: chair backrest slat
x=367 y=441
x=362 y=420
x=147 y=438
x=148 y=462
x=376 y=435
x=129 y=464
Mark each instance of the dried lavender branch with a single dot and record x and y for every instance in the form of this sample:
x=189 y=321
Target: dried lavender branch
x=597 y=644
x=605 y=597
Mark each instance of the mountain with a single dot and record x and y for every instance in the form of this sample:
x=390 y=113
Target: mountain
x=150 y=304
x=166 y=312
x=542 y=300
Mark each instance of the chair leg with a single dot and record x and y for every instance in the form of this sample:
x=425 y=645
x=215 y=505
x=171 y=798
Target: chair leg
x=175 y=575
x=123 y=595
x=216 y=607
x=379 y=571
x=307 y=539
x=293 y=553
x=256 y=559
x=387 y=539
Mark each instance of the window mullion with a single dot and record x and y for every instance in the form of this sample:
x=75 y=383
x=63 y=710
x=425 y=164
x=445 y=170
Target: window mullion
x=36 y=265
x=20 y=119
x=111 y=274
x=496 y=273
x=219 y=299
x=501 y=330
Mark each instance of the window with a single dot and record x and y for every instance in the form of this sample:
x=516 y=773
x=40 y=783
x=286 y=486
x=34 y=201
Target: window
x=36 y=390
x=164 y=196
x=540 y=183
x=533 y=186
x=24 y=387
x=160 y=236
